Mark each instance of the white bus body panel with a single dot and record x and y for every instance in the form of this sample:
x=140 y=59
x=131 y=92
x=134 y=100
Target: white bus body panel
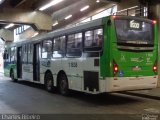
x=74 y=73
x=75 y=76
x=27 y=72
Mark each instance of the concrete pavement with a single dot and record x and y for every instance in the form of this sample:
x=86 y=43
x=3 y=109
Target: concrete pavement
x=29 y=98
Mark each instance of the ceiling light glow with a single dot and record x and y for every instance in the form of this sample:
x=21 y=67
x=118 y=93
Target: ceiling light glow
x=35 y=34
x=54 y=2
x=1 y=1
x=97 y=1
x=69 y=16
x=9 y=26
x=56 y=23
x=84 y=8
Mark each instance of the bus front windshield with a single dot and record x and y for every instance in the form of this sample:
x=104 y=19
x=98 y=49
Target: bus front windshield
x=134 y=32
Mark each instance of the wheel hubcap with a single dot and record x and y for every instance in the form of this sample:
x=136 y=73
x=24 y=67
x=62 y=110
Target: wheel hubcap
x=49 y=84
x=63 y=85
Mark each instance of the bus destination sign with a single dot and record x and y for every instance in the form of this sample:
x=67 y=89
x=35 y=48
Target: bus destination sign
x=135 y=25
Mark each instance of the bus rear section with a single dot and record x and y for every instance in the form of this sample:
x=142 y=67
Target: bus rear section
x=133 y=55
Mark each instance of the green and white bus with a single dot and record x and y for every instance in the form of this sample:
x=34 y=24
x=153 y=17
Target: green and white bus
x=115 y=53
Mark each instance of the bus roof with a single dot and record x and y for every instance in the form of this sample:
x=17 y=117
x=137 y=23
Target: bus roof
x=62 y=31
x=71 y=29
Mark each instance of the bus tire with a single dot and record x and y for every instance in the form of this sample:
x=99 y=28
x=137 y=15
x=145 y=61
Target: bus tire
x=49 y=82
x=63 y=85
x=12 y=76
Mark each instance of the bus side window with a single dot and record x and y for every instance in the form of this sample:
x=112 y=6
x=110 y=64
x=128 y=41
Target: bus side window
x=30 y=54
x=88 y=39
x=5 y=55
x=93 y=40
x=74 y=45
x=98 y=37
x=63 y=44
x=25 y=54
x=59 y=47
x=12 y=55
x=47 y=49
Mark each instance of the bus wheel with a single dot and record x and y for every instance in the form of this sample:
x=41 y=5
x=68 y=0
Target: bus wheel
x=63 y=85
x=49 y=82
x=12 y=76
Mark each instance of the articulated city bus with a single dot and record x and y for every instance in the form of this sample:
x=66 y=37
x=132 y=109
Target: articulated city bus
x=115 y=53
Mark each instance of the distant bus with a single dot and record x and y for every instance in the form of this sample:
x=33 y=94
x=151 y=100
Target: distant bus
x=115 y=53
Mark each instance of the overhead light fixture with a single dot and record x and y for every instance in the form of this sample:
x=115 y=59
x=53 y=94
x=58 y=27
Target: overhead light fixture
x=56 y=23
x=9 y=26
x=127 y=9
x=54 y=2
x=1 y=1
x=98 y=1
x=84 y=8
x=133 y=7
x=35 y=34
x=69 y=16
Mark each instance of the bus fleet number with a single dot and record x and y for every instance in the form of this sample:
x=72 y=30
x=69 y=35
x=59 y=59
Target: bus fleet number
x=73 y=64
x=134 y=25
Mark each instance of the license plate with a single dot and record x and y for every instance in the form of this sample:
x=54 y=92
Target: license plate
x=136 y=68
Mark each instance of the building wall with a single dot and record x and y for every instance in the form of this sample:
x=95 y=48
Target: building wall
x=127 y=4
x=26 y=34
x=29 y=33
x=7 y=35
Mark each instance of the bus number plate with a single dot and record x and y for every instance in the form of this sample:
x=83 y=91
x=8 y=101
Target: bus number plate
x=136 y=68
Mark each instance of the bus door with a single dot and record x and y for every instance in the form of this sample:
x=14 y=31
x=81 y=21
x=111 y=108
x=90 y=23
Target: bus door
x=36 y=62
x=19 y=62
